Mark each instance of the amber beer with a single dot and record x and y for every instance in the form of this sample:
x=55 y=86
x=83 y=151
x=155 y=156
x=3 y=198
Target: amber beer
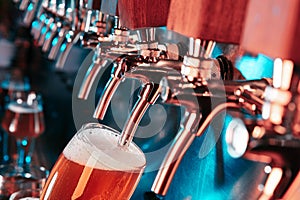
x=93 y=166
x=23 y=120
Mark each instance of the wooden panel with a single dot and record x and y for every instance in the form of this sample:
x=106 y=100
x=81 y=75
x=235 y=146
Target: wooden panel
x=219 y=20
x=143 y=13
x=96 y=4
x=272 y=27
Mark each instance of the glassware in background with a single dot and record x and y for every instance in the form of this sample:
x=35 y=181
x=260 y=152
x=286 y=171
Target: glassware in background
x=14 y=178
x=13 y=84
x=27 y=194
x=24 y=120
x=94 y=166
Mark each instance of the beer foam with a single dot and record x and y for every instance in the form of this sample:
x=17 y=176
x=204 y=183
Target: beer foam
x=98 y=148
x=24 y=108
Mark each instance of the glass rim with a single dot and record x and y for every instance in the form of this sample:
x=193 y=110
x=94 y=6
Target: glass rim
x=25 y=191
x=114 y=132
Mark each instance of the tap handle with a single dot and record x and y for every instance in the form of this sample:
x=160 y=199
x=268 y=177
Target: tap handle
x=285 y=35
x=136 y=14
x=219 y=20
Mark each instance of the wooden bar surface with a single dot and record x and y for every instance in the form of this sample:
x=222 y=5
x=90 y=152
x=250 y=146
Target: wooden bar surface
x=219 y=20
x=272 y=27
x=143 y=13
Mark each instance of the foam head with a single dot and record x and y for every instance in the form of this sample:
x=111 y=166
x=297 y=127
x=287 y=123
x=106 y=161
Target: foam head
x=24 y=108
x=98 y=148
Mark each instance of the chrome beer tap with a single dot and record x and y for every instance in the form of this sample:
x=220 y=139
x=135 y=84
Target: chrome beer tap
x=61 y=16
x=211 y=98
x=56 y=45
x=69 y=36
x=105 y=53
x=274 y=138
x=60 y=25
x=32 y=11
x=194 y=90
x=148 y=53
x=91 y=21
x=41 y=16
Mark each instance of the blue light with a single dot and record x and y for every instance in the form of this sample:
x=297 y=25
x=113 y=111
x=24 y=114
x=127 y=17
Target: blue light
x=42 y=17
x=68 y=36
x=54 y=41
x=30 y=7
x=6 y=158
x=28 y=159
x=52 y=26
x=35 y=24
x=44 y=29
x=24 y=142
x=48 y=35
x=257 y=67
x=145 y=146
x=63 y=47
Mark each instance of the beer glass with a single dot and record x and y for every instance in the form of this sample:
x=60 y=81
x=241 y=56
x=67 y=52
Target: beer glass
x=94 y=166
x=12 y=85
x=24 y=120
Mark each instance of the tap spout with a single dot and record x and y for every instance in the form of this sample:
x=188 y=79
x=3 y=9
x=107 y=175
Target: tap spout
x=92 y=73
x=148 y=95
x=181 y=144
x=31 y=11
x=146 y=74
x=121 y=65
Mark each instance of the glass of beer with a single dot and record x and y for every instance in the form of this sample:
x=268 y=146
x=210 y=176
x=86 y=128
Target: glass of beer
x=13 y=84
x=24 y=121
x=94 y=166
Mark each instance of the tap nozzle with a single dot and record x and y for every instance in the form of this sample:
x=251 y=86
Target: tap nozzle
x=173 y=93
x=57 y=43
x=148 y=95
x=119 y=67
x=92 y=72
x=24 y=4
x=31 y=11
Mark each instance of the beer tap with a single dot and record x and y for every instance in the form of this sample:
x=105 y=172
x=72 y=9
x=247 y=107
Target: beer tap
x=34 y=8
x=127 y=66
x=56 y=44
x=92 y=21
x=40 y=19
x=104 y=54
x=60 y=25
x=273 y=138
x=203 y=99
x=52 y=23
